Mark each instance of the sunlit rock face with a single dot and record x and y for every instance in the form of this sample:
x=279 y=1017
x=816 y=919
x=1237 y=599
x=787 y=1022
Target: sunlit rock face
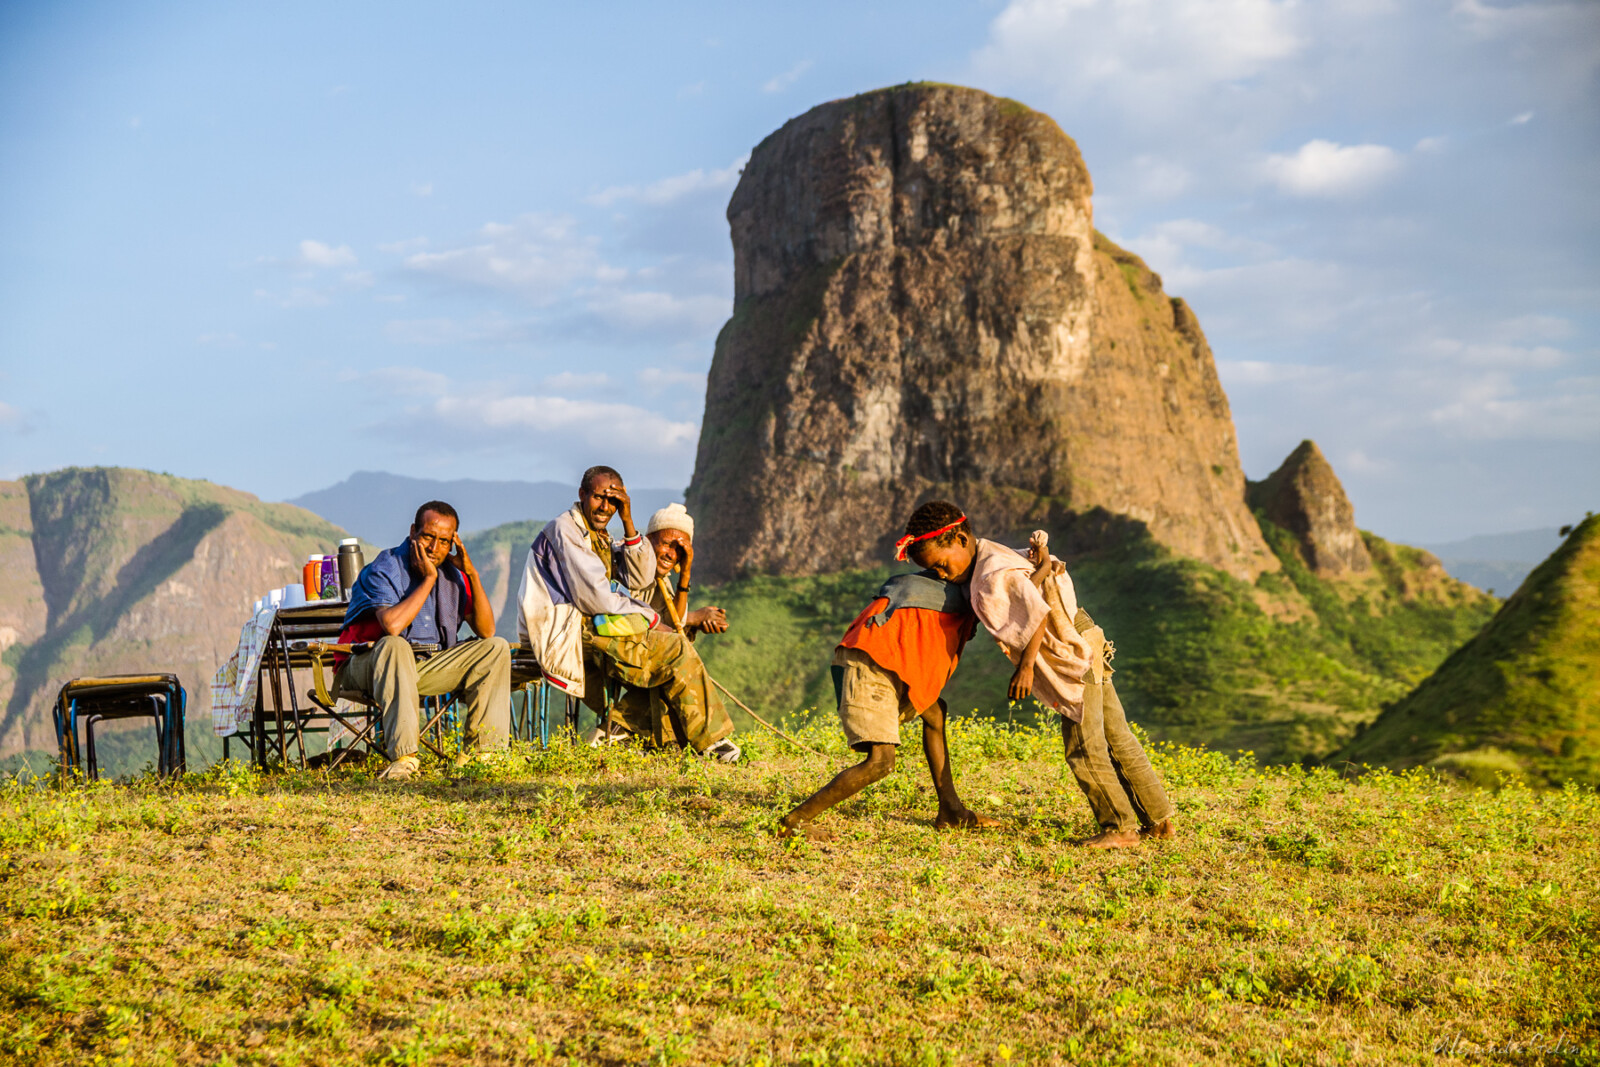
x=922 y=308
x=1305 y=497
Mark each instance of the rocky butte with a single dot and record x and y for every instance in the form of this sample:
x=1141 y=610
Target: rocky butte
x=922 y=307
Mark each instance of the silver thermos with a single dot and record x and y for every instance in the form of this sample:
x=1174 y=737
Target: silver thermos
x=350 y=564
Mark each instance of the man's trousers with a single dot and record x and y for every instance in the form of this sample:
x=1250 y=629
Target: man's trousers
x=479 y=671
x=679 y=704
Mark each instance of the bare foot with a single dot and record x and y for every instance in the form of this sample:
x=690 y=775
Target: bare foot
x=1113 y=839
x=965 y=820
x=1161 y=831
x=805 y=830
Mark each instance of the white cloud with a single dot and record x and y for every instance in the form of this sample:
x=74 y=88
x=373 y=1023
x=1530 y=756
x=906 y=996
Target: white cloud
x=1478 y=355
x=1160 y=179
x=601 y=423
x=1534 y=327
x=674 y=188
x=1323 y=168
x=549 y=431
x=12 y=418
x=651 y=312
x=317 y=254
x=536 y=256
x=422 y=188
x=1145 y=50
x=1522 y=119
x=490 y=330
x=657 y=378
x=787 y=78
x=572 y=381
x=1491 y=406
x=1249 y=372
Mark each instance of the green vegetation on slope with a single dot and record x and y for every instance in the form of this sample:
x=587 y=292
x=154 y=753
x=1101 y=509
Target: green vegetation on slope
x=500 y=553
x=573 y=906
x=1287 y=668
x=1520 y=698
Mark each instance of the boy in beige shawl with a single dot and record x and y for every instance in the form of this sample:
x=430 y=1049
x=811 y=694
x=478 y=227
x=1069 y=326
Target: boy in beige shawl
x=1028 y=604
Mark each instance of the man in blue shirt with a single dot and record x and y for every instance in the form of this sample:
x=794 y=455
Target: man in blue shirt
x=418 y=594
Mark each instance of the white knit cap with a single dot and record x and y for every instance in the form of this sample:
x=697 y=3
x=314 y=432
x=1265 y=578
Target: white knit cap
x=672 y=517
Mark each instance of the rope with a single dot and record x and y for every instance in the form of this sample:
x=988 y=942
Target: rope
x=677 y=624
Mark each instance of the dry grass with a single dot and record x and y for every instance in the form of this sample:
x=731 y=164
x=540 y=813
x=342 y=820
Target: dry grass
x=570 y=907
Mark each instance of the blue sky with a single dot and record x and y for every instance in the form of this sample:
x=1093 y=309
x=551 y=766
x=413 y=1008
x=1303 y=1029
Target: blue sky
x=271 y=244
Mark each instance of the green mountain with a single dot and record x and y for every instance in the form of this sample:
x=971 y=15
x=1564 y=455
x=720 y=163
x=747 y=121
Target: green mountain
x=1522 y=697
x=500 y=553
x=114 y=571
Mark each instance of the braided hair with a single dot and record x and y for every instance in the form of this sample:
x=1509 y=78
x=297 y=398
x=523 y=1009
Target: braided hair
x=931 y=516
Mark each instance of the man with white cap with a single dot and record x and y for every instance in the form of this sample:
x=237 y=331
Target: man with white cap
x=671 y=535
x=646 y=712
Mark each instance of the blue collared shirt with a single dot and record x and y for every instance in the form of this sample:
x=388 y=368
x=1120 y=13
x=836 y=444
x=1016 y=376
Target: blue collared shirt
x=389 y=579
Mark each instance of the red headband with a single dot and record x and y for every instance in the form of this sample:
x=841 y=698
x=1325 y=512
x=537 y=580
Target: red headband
x=907 y=541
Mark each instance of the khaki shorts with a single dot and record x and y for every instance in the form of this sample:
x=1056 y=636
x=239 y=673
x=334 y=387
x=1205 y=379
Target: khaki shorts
x=872 y=700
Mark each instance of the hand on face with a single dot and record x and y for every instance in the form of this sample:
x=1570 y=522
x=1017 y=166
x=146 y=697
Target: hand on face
x=458 y=556
x=672 y=548
x=432 y=542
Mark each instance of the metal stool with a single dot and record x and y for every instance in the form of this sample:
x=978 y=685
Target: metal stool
x=160 y=697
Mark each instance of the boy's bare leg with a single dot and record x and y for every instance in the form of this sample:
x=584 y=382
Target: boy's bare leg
x=952 y=813
x=846 y=784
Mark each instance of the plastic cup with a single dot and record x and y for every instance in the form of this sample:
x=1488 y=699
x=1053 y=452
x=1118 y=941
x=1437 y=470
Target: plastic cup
x=294 y=596
x=275 y=599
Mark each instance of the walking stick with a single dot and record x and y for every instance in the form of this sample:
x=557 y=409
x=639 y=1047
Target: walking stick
x=677 y=624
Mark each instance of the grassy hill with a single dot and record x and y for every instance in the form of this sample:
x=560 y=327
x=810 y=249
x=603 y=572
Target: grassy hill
x=500 y=553
x=139 y=572
x=1287 y=667
x=1523 y=696
x=570 y=906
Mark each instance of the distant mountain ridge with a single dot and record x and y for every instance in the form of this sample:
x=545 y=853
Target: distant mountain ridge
x=378 y=505
x=1497 y=562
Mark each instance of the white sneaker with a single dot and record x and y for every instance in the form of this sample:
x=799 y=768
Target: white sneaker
x=401 y=769
x=599 y=738
x=724 y=751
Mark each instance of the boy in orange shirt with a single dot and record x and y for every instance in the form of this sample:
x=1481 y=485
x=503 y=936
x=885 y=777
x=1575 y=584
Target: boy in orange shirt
x=895 y=660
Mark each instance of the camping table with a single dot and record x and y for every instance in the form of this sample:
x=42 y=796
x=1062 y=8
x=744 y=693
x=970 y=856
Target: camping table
x=292 y=630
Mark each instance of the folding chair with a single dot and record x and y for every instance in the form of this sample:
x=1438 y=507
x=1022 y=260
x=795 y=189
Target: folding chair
x=371 y=733
x=159 y=697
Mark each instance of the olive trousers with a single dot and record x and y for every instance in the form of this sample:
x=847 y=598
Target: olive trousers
x=1110 y=765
